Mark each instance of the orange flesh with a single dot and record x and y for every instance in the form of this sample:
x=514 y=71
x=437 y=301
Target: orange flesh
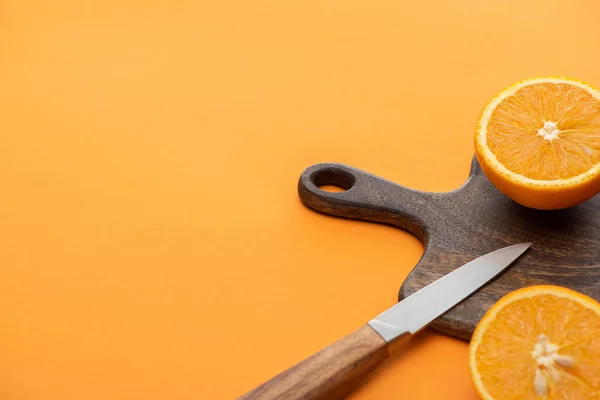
x=512 y=132
x=504 y=356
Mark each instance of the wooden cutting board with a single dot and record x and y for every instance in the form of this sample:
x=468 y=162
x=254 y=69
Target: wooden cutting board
x=461 y=225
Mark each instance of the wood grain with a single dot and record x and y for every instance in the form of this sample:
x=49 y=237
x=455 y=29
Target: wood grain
x=466 y=223
x=329 y=374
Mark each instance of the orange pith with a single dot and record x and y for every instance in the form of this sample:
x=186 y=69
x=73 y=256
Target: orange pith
x=516 y=133
x=540 y=342
x=538 y=142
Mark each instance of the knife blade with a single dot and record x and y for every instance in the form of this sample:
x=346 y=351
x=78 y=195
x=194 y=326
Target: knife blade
x=336 y=370
x=418 y=310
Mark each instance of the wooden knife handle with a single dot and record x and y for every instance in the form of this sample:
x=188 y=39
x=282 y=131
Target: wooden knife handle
x=329 y=374
x=367 y=197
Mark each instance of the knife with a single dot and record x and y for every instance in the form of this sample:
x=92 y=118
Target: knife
x=335 y=371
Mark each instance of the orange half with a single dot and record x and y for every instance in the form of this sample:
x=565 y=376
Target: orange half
x=538 y=343
x=538 y=141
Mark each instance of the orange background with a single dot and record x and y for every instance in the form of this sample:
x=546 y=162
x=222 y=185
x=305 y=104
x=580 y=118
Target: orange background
x=152 y=244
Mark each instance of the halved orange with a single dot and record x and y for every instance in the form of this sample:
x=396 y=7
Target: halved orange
x=539 y=342
x=538 y=141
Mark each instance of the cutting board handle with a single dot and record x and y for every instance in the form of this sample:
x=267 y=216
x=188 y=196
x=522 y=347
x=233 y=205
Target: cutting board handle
x=366 y=197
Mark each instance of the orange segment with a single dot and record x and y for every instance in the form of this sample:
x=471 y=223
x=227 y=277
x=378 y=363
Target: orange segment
x=538 y=141
x=546 y=131
x=540 y=342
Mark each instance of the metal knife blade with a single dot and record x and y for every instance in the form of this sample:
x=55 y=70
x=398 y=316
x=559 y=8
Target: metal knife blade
x=418 y=310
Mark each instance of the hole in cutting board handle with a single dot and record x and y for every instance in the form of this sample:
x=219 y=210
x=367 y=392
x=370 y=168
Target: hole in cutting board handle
x=333 y=180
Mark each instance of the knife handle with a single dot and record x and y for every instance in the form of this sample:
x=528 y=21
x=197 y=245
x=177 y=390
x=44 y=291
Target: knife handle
x=367 y=197
x=329 y=374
